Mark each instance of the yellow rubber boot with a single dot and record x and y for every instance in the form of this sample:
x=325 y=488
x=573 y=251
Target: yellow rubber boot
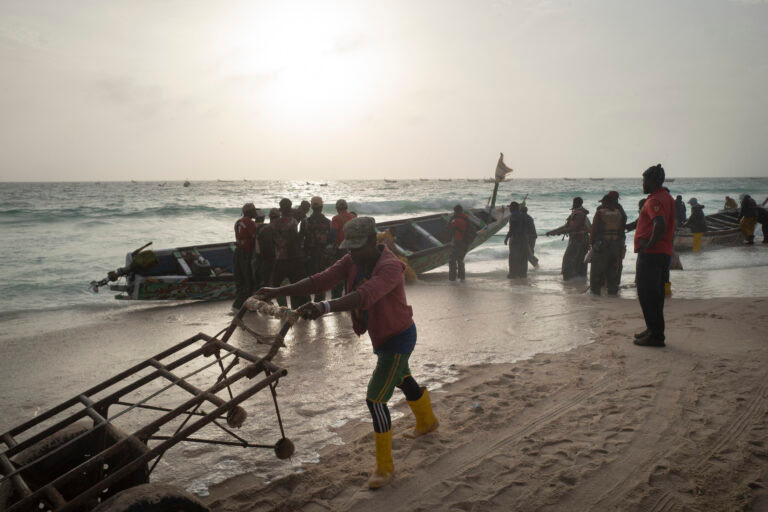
x=382 y=473
x=426 y=421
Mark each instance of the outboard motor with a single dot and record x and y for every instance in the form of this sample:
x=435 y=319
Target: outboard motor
x=141 y=260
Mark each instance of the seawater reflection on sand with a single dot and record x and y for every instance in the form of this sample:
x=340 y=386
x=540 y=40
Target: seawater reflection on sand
x=329 y=365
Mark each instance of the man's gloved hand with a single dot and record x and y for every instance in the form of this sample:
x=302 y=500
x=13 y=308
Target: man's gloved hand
x=311 y=310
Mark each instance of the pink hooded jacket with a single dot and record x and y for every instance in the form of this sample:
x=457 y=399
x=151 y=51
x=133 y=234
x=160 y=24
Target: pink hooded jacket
x=383 y=295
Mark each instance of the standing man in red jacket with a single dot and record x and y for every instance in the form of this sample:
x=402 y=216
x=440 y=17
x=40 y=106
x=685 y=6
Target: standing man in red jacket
x=653 y=245
x=376 y=300
x=245 y=244
x=459 y=239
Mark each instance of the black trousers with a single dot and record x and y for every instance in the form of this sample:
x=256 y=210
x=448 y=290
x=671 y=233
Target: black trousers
x=293 y=270
x=651 y=271
x=573 y=259
x=518 y=258
x=606 y=266
x=456 y=260
x=317 y=261
x=243 y=277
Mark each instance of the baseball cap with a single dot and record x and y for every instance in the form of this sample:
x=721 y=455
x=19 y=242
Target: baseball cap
x=357 y=231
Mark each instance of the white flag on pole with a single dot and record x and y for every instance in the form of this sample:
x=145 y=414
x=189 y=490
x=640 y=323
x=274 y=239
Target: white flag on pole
x=501 y=169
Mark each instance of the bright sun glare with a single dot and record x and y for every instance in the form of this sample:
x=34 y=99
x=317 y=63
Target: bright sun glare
x=310 y=62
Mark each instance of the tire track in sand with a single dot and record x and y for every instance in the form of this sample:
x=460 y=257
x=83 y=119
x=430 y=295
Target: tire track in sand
x=736 y=427
x=730 y=432
x=608 y=488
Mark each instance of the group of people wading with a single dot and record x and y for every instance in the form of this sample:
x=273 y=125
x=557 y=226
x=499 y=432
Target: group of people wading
x=600 y=244
x=293 y=244
x=601 y=241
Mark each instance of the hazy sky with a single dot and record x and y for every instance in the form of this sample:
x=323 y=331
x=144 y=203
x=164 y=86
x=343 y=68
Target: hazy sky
x=119 y=90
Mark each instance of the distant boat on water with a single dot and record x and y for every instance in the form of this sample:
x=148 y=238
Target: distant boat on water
x=390 y=181
x=488 y=180
x=423 y=179
x=186 y=183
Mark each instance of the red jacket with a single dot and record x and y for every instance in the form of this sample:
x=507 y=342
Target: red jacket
x=658 y=204
x=337 y=224
x=382 y=295
x=245 y=234
x=459 y=226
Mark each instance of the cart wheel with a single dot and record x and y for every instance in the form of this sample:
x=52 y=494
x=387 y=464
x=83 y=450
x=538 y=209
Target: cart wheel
x=40 y=473
x=152 y=498
x=236 y=417
x=284 y=448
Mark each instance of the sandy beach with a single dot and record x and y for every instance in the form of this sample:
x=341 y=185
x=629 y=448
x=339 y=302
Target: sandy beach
x=605 y=426
x=544 y=404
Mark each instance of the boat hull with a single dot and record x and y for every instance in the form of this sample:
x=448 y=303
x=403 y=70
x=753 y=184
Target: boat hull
x=206 y=273
x=722 y=230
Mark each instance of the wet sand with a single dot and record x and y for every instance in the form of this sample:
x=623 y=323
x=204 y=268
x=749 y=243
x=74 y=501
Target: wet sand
x=605 y=426
x=590 y=423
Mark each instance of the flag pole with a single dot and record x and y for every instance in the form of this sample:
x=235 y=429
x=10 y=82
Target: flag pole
x=493 y=198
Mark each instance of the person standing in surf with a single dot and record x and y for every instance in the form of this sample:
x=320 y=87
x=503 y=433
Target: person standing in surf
x=577 y=228
x=245 y=244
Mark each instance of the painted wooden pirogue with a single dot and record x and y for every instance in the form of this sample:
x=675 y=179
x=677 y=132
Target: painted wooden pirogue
x=722 y=229
x=205 y=271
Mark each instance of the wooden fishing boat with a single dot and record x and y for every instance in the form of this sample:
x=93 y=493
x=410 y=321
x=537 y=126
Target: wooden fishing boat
x=205 y=272
x=722 y=229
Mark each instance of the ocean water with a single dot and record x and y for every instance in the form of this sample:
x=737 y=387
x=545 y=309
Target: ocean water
x=57 y=237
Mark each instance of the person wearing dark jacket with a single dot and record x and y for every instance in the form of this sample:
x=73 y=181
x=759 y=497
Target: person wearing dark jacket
x=762 y=218
x=607 y=238
x=680 y=213
x=518 y=243
x=530 y=231
x=578 y=239
x=696 y=223
x=266 y=241
x=748 y=218
x=288 y=261
x=315 y=236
